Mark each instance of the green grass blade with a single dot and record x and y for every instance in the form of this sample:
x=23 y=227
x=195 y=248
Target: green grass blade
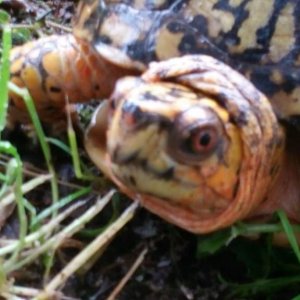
x=6 y=147
x=288 y=229
x=3 y=281
x=74 y=152
x=41 y=136
x=264 y=286
x=64 y=201
x=5 y=73
x=59 y=144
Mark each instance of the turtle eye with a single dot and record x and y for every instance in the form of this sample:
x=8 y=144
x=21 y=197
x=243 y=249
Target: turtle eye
x=195 y=135
x=202 y=141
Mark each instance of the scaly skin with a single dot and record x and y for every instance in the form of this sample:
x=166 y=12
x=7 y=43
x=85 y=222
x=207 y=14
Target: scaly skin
x=58 y=70
x=152 y=149
x=230 y=164
x=260 y=39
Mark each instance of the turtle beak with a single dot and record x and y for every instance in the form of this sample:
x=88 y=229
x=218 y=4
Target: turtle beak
x=95 y=137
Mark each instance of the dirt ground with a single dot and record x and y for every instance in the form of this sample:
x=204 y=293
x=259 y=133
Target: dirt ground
x=172 y=267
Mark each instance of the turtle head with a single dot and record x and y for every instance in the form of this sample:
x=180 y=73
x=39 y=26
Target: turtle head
x=185 y=142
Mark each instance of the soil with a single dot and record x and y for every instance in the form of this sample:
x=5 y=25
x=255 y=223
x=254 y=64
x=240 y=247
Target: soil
x=173 y=267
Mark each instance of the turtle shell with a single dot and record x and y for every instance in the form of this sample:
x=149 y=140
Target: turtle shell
x=258 y=38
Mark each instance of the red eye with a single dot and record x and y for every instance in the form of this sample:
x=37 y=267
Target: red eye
x=203 y=141
x=194 y=145
x=197 y=134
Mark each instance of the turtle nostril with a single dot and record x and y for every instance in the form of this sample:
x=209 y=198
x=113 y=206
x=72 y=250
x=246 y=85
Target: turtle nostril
x=132 y=115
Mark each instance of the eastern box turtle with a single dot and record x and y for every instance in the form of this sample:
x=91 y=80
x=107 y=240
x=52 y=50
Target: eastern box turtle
x=189 y=137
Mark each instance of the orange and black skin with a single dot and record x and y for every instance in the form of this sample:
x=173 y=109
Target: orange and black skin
x=58 y=70
x=257 y=38
x=260 y=39
x=235 y=84
x=193 y=141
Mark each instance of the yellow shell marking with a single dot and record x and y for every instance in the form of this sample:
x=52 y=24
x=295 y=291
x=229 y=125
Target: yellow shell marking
x=282 y=42
x=259 y=14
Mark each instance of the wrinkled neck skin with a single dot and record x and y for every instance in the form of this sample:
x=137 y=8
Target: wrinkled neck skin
x=285 y=193
x=267 y=173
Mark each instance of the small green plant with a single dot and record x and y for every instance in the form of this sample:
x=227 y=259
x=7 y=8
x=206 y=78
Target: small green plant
x=42 y=233
x=268 y=269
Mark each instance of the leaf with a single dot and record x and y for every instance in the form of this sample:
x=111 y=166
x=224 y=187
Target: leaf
x=210 y=244
x=4 y=17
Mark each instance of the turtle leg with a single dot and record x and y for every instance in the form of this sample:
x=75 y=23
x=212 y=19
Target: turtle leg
x=59 y=69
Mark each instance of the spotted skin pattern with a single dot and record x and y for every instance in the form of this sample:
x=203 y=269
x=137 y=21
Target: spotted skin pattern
x=58 y=70
x=261 y=39
x=258 y=38
x=222 y=76
x=143 y=153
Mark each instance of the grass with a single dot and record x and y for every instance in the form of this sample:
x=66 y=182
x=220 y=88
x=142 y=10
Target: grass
x=41 y=234
x=266 y=269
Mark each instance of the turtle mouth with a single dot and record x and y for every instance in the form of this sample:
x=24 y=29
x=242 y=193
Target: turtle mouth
x=95 y=139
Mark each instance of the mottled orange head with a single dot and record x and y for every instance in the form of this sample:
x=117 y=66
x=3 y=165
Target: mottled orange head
x=192 y=140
